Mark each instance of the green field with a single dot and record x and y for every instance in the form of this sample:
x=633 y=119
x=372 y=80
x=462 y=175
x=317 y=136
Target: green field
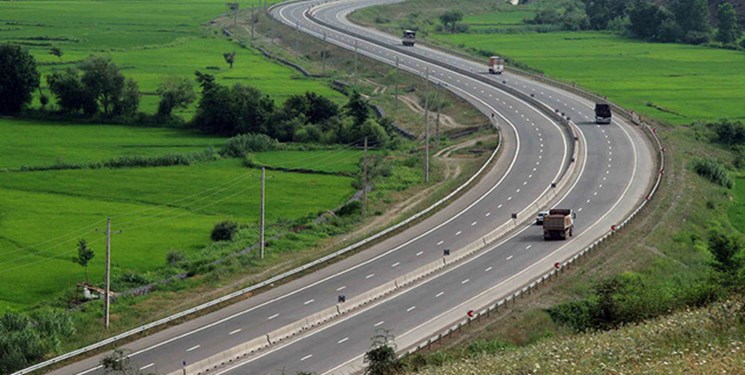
x=43 y=214
x=149 y=40
x=338 y=160
x=675 y=83
x=41 y=143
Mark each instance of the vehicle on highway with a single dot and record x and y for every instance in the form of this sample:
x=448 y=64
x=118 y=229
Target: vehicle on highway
x=558 y=224
x=409 y=38
x=496 y=65
x=602 y=113
x=540 y=216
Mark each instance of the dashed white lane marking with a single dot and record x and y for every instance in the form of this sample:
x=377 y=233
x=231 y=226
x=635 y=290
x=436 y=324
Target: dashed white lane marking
x=370 y=275
x=419 y=253
x=378 y=323
x=342 y=340
x=309 y=301
x=525 y=182
x=465 y=281
x=579 y=209
x=439 y=294
x=588 y=201
x=458 y=233
x=474 y=223
x=195 y=347
x=500 y=206
x=530 y=175
x=509 y=257
x=272 y=317
x=509 y=198
x=595 y=193
x=488 y=269
x=528 y=247
x=488 y=214
x=395 y=264
x=147 y=366
x=517 y=191
x=234 y=332
x=339 y=289
x=440 y=243
x=410 y=308
x=306 y=357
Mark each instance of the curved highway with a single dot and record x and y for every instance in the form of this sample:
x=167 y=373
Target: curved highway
x=615 y=175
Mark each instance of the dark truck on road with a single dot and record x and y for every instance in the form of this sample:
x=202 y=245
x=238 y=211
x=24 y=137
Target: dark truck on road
x=602 y=113
x=558 y=224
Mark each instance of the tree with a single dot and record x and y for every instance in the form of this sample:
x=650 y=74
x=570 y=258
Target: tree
x=175 y=93
x=381 y=359
x=229 y=58
x=728 y=30
x=358 y=108
x=103 y=81
x=726 y=263
x=451 y=17
x=646 y=18
x=70 y=92
x=601 y=12
x=56 y=51
x=119 y=362
x=130 y=99
x=693 y=18
x=85 y=254
x=320 y=109
x=28 y=339
x=18 y=78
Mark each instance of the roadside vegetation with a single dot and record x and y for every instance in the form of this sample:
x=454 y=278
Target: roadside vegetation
x=670 y=299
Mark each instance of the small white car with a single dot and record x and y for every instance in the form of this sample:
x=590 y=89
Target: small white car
x=540 y=216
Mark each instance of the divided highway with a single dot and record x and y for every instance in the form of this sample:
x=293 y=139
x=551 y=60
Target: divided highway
x=616 y=170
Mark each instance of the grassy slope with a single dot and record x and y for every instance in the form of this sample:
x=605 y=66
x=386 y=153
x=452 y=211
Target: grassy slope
x=705 y=341
x=149 y=40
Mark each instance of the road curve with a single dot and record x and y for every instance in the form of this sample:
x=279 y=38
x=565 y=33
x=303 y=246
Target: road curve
x=536 y=149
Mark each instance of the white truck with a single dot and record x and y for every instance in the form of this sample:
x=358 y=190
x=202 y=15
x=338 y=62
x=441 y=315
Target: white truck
x=409 y=38
x=496 y=65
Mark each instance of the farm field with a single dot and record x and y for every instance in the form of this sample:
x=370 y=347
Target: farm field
x=43 y=214
x=41 y=143
x=675 y=83
x=149 y=40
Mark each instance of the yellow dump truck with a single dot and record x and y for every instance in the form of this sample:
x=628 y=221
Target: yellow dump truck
x=558 y=224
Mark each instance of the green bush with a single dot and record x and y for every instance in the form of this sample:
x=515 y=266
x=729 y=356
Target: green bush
x=350 y=208
x=242 y=144
x=715 y=171
x=224 y=231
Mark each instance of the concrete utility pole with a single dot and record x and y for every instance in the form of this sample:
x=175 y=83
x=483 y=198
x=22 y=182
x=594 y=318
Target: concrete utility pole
x=437 y=122
x=364 y=181
x=261 y=219
x=253 y=22
x=107 y=275
x=395 y=88
x=355 y=63
x=426 y=126
x=323 y=57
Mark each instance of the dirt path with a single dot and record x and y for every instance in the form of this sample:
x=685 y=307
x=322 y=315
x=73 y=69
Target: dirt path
x=445 y=120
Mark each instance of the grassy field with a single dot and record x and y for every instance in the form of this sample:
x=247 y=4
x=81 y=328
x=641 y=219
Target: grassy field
x=42 y=143
x=43 y=214
x=338 y=160
x=149 y=40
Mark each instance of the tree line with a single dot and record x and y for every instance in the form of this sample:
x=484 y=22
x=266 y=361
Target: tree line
x=683 y=21
x=97 y=90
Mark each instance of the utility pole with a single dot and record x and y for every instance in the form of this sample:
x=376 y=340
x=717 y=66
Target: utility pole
x=323 y=57
x=235 y=13
x=437 y=122
x=395 y=89
x=107 y=275
x=364 y=181
x=426 y=126
x=355 y=63
x=261 y=219
x=253 y=22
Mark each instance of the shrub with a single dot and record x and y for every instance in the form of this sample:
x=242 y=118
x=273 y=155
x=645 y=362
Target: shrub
x=715 y=171
x=242 y=144
x=224 y=231
x=350 y=208
x=174 y=257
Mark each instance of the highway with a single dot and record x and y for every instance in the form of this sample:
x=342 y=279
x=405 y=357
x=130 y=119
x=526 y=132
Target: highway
x=616 y=170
